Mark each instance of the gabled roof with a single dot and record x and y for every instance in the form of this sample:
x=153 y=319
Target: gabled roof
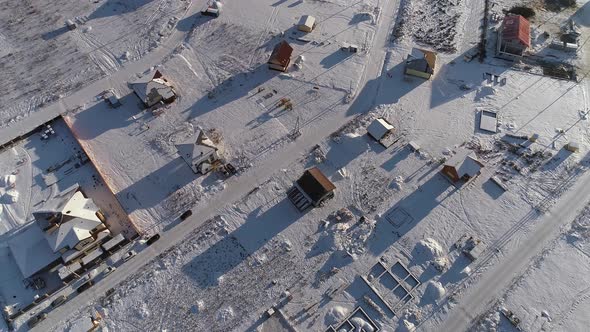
x=315 y=184
x=151 y=86
x=68 y=219
x=195 y=147
x=466 y=163
x=422 y=60
x=378 y=128
x=281 y=54
x=517 y=28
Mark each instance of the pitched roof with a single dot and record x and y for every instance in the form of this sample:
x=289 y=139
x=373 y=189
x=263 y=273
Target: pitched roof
x=68 y=219
x=422 y=60
x=196 y=146
x=517 y=28
x=466 y=163
x=281 y=54
x=315 y=184
x=31 y=251
x=151 y=86
x=378 y=128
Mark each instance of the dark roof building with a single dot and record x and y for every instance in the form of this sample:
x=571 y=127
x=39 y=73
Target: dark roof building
x=281 y=56
x=312 y=188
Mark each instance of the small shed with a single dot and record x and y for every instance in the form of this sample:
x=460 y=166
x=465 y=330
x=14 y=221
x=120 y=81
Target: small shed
x=153 y=88
x=380 y=129
x=199 y=152
x=463 y=166
x=311 y=189
x=281 y=56
x=572 y=146
x=488 y=121
x=420 y=63
x=514 y=37
x=306 y=23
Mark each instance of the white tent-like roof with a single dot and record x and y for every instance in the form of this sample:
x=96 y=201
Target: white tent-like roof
x=379 y=128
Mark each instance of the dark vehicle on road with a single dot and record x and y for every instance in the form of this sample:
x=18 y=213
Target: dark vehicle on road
x=59 y=301
x=37 y=319
x=85 y=286
x=152 y=239
x=186 y=214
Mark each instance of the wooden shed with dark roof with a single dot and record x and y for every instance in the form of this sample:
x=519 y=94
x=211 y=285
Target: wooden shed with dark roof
x=281 y=56
x=312 y=188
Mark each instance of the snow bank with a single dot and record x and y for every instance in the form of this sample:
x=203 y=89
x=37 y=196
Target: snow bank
x=427 y=250
x=406 y=326
x=434 y=291
x=335 y=315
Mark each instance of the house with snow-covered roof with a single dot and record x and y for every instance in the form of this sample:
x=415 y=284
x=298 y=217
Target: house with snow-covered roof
x=199 y=152
x=153 y=88
x=463 y=166
x=67 y=225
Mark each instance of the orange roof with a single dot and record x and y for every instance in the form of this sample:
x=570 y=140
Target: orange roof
x=517 y=28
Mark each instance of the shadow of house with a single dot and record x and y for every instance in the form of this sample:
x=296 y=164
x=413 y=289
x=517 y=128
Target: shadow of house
x=349 y=148
x=385 y=89
x=155 y=187
x=401 y=154
x=225 y=92
x=237 y=246
x=100 y=118
x=55 y=33
x=414 y=208
x=117 y=7
x=456 y=79
x=334 y=58
x=193 y=21
x=582 y=15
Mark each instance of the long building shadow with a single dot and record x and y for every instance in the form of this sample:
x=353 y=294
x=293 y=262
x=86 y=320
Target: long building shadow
x=237 y=246
x=153 y=188
x=231 y=90
x=417 y=206
x=117 y=7
x=100 y=118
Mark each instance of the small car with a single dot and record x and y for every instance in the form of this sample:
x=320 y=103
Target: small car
x=152 y=239
x=85 y=286
x=186 y=214
x=37 y=319
x=109 y=270
x=58 y=301
x=129 y=255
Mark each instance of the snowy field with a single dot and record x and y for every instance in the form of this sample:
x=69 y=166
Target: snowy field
x=392 y=205
x=41 y=60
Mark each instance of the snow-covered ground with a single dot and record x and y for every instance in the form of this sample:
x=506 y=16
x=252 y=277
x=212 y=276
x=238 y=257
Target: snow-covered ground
x=219 y=90
x=391 y=205
x=41 y=60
